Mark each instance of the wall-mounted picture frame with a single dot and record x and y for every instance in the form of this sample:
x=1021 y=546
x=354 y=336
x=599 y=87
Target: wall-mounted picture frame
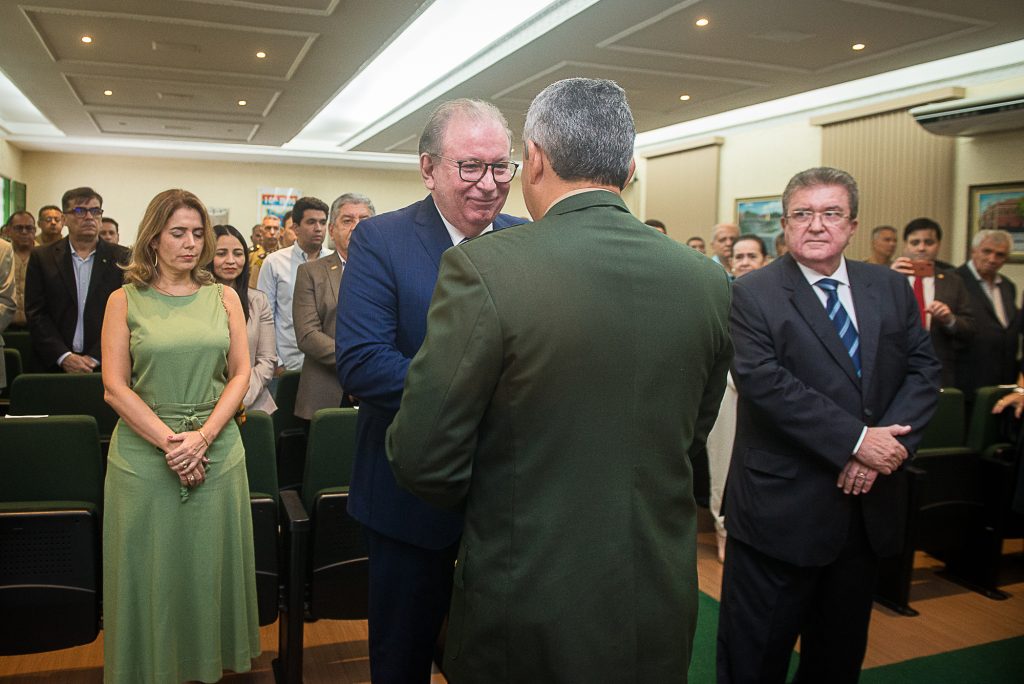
x=997 y=206
x=761 y=216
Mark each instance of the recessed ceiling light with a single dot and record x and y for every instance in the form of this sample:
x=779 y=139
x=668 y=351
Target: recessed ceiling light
x=684 y=98
x=702 y=22
x=242 y=103
x=261 y=54
x=858 y=46
x=108 y=93
x=86 y=39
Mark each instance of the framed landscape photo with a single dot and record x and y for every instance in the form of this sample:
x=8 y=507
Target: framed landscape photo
x=998 y=206
x=760 y=216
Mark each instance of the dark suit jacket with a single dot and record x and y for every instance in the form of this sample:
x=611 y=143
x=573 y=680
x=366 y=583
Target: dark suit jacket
x=578 y=559
x=802 y=409
x=382 y=319
x=950 y=290
x=51 y=297
x=991 y=356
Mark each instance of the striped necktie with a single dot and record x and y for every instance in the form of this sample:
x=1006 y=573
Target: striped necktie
x=841 y=320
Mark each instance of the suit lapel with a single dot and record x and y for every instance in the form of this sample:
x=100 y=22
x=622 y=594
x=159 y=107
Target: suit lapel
x=100 y=264
x=431 y=231
x=334 y=268
x=810 y=309
x=62 y=255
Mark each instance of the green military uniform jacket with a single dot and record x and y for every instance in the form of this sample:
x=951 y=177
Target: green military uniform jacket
x=569 y=366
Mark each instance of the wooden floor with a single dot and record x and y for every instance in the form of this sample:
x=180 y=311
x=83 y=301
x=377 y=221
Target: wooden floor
x=951 y=618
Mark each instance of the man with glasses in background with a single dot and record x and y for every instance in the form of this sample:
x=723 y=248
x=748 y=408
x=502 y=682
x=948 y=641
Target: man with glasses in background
x=21 y=231
x=836 y=380
x=67 y=284
x=382 y=318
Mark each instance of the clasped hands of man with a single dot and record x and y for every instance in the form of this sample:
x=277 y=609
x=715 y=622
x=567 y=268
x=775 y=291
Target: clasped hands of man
x=880 y=453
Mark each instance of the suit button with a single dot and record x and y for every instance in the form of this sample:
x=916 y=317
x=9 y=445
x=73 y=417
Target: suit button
x=868 y=413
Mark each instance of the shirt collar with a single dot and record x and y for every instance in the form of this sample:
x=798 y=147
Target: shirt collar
x=839 y=275
x=454 y=233
x=974 y=272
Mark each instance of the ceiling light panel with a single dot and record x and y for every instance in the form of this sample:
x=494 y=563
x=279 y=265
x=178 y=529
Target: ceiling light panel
x=780 y=35
x=142 y=95
x=172 y=43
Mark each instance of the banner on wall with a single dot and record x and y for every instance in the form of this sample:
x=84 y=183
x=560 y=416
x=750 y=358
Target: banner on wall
x=277 y=201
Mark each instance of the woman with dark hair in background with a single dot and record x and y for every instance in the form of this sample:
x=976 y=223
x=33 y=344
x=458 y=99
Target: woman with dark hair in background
x=230 y=267
x=179 y=576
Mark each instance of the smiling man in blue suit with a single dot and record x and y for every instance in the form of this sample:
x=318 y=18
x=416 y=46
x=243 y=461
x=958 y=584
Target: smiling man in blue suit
x=382 y=319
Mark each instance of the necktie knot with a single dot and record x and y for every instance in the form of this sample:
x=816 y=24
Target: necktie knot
x=828 y=285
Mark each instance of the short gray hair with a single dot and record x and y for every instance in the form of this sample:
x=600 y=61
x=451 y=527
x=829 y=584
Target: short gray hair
x=990 y=234
x=585 y=128
x=432 y=137
x=350 y=198
x=822 y=175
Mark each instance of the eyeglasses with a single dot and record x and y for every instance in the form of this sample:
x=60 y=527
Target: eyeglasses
x=22 y=229
x=801 y=218
x=471 y=170
x=80 y=212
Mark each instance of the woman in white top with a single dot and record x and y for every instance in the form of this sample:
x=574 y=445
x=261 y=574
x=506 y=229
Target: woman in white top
x=748 y=254
x=231 y=268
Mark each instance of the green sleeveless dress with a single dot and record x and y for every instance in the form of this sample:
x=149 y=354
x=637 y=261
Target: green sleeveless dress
x=179 y=578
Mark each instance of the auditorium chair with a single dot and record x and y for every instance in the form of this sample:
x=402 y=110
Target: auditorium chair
x=258 y=440
x=977 y=566
x=335 y=574
x=62 y=394
x=22 y=341
x=944 y=499
x=290 y=432
x=51 y=498
x=12 y=368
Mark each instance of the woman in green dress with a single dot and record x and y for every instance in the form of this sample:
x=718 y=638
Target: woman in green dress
x=179 y=582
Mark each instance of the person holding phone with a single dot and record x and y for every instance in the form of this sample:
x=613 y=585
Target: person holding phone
x=940 y=293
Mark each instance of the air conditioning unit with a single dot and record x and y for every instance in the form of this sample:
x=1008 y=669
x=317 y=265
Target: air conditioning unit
x=972 y=116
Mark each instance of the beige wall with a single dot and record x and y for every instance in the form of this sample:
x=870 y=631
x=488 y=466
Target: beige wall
x=759 y=162
x=10 y=161
x=128 y=183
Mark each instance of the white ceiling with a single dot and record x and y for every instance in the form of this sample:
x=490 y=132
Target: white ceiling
x=177 y=68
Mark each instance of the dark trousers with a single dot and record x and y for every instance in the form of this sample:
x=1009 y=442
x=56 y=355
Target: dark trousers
x=767 y=603
x=410 y=588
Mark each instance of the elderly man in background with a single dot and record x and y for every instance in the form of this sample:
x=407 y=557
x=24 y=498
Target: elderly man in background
x=723 y=236
x=578 y=561
x=990 y=358
x=837 y=381
x=465 y=163
x=315 y=308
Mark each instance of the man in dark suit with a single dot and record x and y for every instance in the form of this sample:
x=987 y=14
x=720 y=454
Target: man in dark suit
x=578 y=560
x=941 y=296
x=991 y=356
x=382 y=318
x=67 y=284
x=836 y=380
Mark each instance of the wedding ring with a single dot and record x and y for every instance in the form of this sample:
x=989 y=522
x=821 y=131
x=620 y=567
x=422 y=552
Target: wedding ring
x=861 y=475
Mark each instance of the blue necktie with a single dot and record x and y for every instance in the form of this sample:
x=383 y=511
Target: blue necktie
x=841 y=320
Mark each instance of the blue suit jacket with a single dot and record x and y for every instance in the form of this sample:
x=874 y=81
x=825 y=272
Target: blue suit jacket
x=389 y=279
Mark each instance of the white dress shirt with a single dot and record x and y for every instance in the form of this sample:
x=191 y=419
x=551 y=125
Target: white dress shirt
x=277 y=281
